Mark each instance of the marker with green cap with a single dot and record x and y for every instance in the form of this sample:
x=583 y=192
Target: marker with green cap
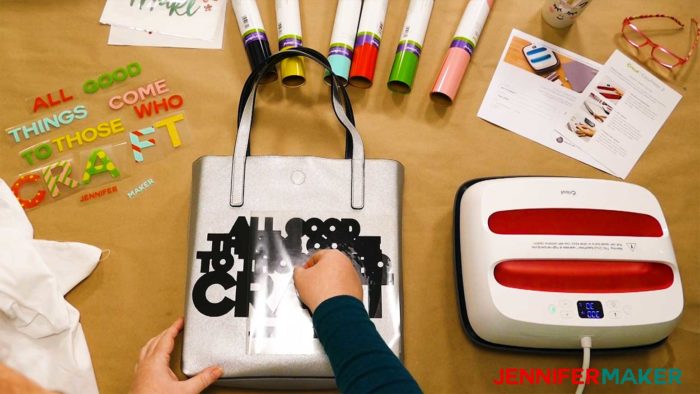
x=403 y=71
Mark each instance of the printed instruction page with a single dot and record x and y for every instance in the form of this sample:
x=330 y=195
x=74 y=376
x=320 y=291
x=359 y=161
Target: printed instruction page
x=619 y=114
x=534 y=85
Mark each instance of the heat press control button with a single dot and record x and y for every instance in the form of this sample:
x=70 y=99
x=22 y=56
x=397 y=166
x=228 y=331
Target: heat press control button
x=614 y=314
x=627 y=309
x=552 y=309
x=613 y=303
x=566 y=314
x=298 y=177
x=564 y=303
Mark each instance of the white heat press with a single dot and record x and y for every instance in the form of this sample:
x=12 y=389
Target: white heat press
x=543 y=262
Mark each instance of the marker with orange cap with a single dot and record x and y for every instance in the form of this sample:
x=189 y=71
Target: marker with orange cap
x=461 y=50
x=369 y=36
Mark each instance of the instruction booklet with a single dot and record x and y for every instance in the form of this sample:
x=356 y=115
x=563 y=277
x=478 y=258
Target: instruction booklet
x=602 y=115
x=619 y=113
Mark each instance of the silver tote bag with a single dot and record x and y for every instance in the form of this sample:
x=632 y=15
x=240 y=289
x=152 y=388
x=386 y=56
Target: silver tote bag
x=253 y=218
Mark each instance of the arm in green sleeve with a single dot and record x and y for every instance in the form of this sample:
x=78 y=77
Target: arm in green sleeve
x=361 y=360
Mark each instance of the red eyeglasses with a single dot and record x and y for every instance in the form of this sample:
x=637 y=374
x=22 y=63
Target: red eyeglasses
x=660 y=54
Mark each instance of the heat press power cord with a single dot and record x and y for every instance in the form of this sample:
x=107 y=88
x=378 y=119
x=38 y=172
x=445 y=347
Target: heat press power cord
x=586 y=345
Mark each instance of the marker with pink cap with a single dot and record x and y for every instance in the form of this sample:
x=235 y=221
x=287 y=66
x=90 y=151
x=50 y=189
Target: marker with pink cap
x=461 y=50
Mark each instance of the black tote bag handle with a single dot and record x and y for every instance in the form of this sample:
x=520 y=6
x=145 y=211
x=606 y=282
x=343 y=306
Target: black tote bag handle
x=253 y=80
x=354 y=149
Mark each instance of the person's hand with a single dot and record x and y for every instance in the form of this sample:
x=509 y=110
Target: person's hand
x=13 y=382
x=153 y=373
x=584 y=130
x=327 y=274
x=599 y=118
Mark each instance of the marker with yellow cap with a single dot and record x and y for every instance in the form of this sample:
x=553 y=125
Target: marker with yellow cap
x=289 y=36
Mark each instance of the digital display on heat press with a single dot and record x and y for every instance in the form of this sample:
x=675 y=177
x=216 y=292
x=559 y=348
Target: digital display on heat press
x=590 y=309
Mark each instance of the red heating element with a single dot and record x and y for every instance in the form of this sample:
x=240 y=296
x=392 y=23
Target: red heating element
x=584 y=276
x=572 y=221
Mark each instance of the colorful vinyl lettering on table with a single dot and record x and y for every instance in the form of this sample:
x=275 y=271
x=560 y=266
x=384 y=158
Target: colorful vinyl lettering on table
x=289 y=33
x=403 y=71
x=108 y=79
x=461 y=49
x=99 y=193
x=41 y=151
x=63 y=177
x=137 y=144
x=58 y=174
x=17 y=187
x=140 y=188
x=255 y=41
x=170 y=124
x=136 y=97
x=97 y=163
x=46 y=149
x=155 y=107
x=347 y=16
x=369 y=37
x=133 y=96
x=46 y=124
x=51 y=99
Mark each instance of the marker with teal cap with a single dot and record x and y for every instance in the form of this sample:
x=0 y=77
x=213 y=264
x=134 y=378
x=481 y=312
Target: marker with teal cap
x=403 y=71
x=347 y=17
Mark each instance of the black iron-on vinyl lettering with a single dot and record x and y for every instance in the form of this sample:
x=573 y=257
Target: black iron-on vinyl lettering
x=245 y=242
x=199 y=293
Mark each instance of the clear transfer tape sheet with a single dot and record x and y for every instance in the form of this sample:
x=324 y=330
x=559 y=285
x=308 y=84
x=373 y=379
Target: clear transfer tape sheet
x=279 y=241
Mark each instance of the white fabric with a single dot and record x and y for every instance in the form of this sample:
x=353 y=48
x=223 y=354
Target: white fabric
x=40 y=332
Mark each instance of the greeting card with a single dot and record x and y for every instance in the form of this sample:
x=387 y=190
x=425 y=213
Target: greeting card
x=197 y=19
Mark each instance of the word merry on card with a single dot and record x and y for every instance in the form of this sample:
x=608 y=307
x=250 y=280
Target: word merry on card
x=197 y=19
x=180 y=8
